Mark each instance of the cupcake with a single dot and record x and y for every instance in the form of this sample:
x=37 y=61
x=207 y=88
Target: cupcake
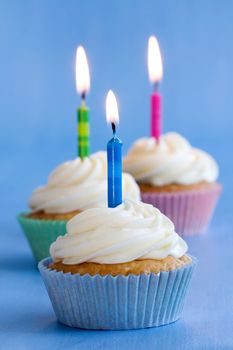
x=118 y=268
x=72 y=187
x=176 y=178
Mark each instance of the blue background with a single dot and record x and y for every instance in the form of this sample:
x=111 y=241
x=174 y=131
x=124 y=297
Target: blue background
x=38 y=102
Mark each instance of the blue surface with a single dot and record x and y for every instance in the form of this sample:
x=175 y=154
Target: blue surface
x=38 y=130
x=27 y=320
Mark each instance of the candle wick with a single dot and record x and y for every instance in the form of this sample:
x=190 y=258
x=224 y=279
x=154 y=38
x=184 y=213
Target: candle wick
x=113 y=128
x=83 y=97
x=156 y=86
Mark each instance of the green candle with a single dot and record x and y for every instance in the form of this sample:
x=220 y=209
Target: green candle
x=83 y=131
x=83 y=86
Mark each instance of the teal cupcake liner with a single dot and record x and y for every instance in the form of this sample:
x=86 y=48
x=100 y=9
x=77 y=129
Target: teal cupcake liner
x=41 y=234
x=120 y=302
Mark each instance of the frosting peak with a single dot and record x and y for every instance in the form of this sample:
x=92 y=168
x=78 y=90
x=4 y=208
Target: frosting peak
x=78 y=185
x=133 y=230
x=171 y=160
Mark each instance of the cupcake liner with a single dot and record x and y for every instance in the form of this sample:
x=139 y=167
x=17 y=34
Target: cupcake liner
x=41 y=234
x=190 y=211
x=120 y=302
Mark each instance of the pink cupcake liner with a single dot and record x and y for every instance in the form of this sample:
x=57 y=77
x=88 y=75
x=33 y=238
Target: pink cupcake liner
x=190 y=211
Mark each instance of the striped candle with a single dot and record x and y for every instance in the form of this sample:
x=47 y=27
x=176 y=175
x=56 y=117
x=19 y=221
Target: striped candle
x=83 y=131
x=83 y=86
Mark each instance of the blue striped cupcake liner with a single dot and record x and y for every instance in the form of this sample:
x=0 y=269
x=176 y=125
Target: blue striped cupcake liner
x=120 y=302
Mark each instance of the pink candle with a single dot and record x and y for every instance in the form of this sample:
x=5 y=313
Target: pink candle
x=156 y=115
x=155 y=69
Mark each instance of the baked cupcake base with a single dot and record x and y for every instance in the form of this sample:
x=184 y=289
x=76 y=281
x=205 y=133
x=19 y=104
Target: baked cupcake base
x=174 y=187
x=189 y=207
x=117 y=302
x=42 y=215
x=135 y=267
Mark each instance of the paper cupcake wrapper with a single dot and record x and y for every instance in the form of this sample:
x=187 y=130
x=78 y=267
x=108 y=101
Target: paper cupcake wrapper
x=190 y=211
x=121 y=302
x=41 y=234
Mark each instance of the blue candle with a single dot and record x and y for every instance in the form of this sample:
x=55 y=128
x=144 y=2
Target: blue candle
x=114 y=152
x=114 y=155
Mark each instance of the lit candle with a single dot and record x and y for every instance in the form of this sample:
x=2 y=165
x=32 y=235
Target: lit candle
x=83 y=86
x=155 y=70
x=114 y=154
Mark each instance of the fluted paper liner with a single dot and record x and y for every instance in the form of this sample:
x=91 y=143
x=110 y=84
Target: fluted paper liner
x=120 y=302
x=41 y=234
x=190 y=211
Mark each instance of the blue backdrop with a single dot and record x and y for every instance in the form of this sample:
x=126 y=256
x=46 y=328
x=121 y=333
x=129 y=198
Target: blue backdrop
x=38 y=102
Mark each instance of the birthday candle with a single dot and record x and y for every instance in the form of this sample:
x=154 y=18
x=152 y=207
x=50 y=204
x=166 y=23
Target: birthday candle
x=155 y=70
x=83 y=86
x=114 y=154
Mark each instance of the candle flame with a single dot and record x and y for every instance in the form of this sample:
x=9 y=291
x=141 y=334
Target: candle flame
x=154 y=59
x=82 y=71
x=112 y=114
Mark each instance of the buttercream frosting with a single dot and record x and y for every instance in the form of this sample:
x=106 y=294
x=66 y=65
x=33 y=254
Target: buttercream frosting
x=131 y=231
x=171 y=160
x=78 y=185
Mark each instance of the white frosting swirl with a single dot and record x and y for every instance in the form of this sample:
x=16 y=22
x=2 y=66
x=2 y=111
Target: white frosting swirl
x=78 y=185
x=171 y=160
x=133 y=230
